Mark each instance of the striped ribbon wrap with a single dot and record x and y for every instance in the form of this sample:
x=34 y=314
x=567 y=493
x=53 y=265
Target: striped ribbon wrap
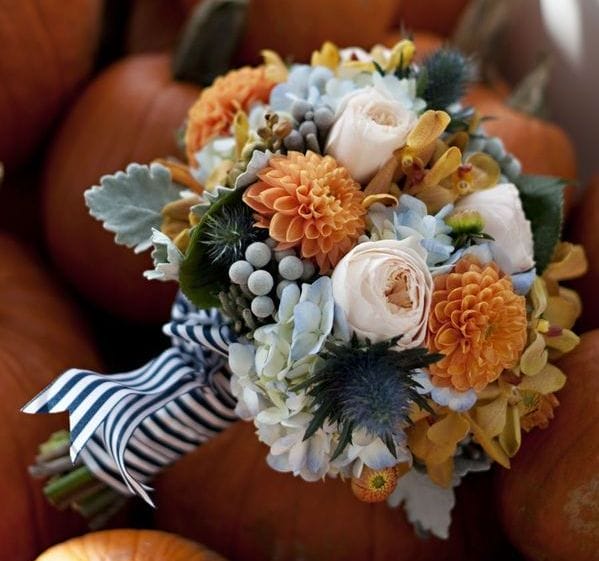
x=128 y=427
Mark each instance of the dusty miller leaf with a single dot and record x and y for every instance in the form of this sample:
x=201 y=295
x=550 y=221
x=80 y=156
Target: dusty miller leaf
x=167 y=258
x=130 y=203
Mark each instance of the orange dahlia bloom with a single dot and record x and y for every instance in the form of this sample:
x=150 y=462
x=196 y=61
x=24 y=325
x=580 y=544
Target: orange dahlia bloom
x=478 y=323
x=212 y=114
x=311 y=202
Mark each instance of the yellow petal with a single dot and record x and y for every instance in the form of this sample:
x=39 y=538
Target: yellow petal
x=428 y=128
x=275 y=67
x=436 y=197
x=550 y=379
x=441 y=474
x=511 y=436
x=383 y=179
x=448 y=163
x=534 y=358
x=485 y=171
x=452 y=428
x=490 y=446
x=564 y=309
x=418 y=441
x=241 y=131
x=491 y=391
x=491 y=417
x=327 y=56
x=383 y=198
x=401 y=55
x=564 y=342
x=569 y=262
x=538 y=296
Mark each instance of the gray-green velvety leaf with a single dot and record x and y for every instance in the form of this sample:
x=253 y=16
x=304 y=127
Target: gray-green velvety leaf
x=167 y=258
x=543 y=201
x=130 y=203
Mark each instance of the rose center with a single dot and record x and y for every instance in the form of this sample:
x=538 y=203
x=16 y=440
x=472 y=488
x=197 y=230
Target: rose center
x=397 y=290
x=382 y=116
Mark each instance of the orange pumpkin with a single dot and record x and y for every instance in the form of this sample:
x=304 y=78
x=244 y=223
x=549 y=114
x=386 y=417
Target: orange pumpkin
x=549 y=500
x=48 y=49
x=227 y=497
x=130 y=113
x=40 y=335
x=295 y=29
x=542 y=147
x=438 y=16
x=584 y=231
x=153 y=25
x=129 y=545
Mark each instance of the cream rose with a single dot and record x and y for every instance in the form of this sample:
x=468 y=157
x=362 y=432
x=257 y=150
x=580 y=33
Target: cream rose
x=384 y=289
x=369 y=128
x=501 y=210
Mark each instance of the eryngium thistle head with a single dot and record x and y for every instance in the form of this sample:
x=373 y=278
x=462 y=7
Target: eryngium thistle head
x=229 y=232
x=369 y=387
x=446 y=74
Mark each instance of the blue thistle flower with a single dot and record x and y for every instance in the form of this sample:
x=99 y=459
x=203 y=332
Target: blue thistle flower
x=369 y=387
x=229 y=232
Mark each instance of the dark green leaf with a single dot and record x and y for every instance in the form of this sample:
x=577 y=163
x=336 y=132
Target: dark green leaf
x=199 y=278
x=543 y=201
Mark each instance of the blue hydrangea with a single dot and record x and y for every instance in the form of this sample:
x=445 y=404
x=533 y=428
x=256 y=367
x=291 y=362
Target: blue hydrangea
x=304 y=82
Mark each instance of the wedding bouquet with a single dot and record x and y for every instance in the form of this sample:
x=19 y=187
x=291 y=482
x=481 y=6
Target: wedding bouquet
x=364 y=275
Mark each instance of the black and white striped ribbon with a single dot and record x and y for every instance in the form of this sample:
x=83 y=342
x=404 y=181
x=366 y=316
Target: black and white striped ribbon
x=128 y=427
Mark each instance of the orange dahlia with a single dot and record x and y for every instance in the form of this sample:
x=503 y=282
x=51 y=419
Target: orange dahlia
x=478 y=323
x=310 y=202
x=212 y=114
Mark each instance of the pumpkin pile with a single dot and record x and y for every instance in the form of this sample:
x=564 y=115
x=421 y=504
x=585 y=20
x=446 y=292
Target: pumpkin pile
x=77 y=102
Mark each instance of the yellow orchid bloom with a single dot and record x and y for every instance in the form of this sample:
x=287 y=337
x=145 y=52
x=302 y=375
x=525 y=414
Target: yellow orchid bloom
x=435 y=444
x=276 y=69
x=411 y=159
x=177 y=219
x=501 y=405
x=327 y=56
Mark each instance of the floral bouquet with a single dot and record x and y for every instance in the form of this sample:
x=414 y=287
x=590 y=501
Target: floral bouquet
x=364 y=274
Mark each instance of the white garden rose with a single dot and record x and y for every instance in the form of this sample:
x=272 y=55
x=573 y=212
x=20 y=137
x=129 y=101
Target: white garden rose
x=369 y=127
x=384 y=289
x=501 y=210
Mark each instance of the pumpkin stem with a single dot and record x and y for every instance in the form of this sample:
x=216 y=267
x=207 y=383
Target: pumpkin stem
x=530 y=94
x=209 y=40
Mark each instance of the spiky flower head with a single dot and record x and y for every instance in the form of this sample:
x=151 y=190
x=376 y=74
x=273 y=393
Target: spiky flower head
x=229 y=232
x=364 y=386
x=446 y=74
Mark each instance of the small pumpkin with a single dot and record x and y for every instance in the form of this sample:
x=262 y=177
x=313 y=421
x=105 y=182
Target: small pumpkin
x=41 y=334
x=129 y=113
x=438 y=16
x=48 y=50
x=129 y=545
x=584 y=231
x=549 y=500
x=226 y=496
x=542 y=147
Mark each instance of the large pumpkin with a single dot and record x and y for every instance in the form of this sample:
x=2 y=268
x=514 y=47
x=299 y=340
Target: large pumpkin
x=226 y=496
x=439 y=16
x=295 y=29
x=129 y=545
x=40 y=336
x=542 y=147
x=48 y=49
x=549 y=500
x=584 y=230
x=130 y=113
